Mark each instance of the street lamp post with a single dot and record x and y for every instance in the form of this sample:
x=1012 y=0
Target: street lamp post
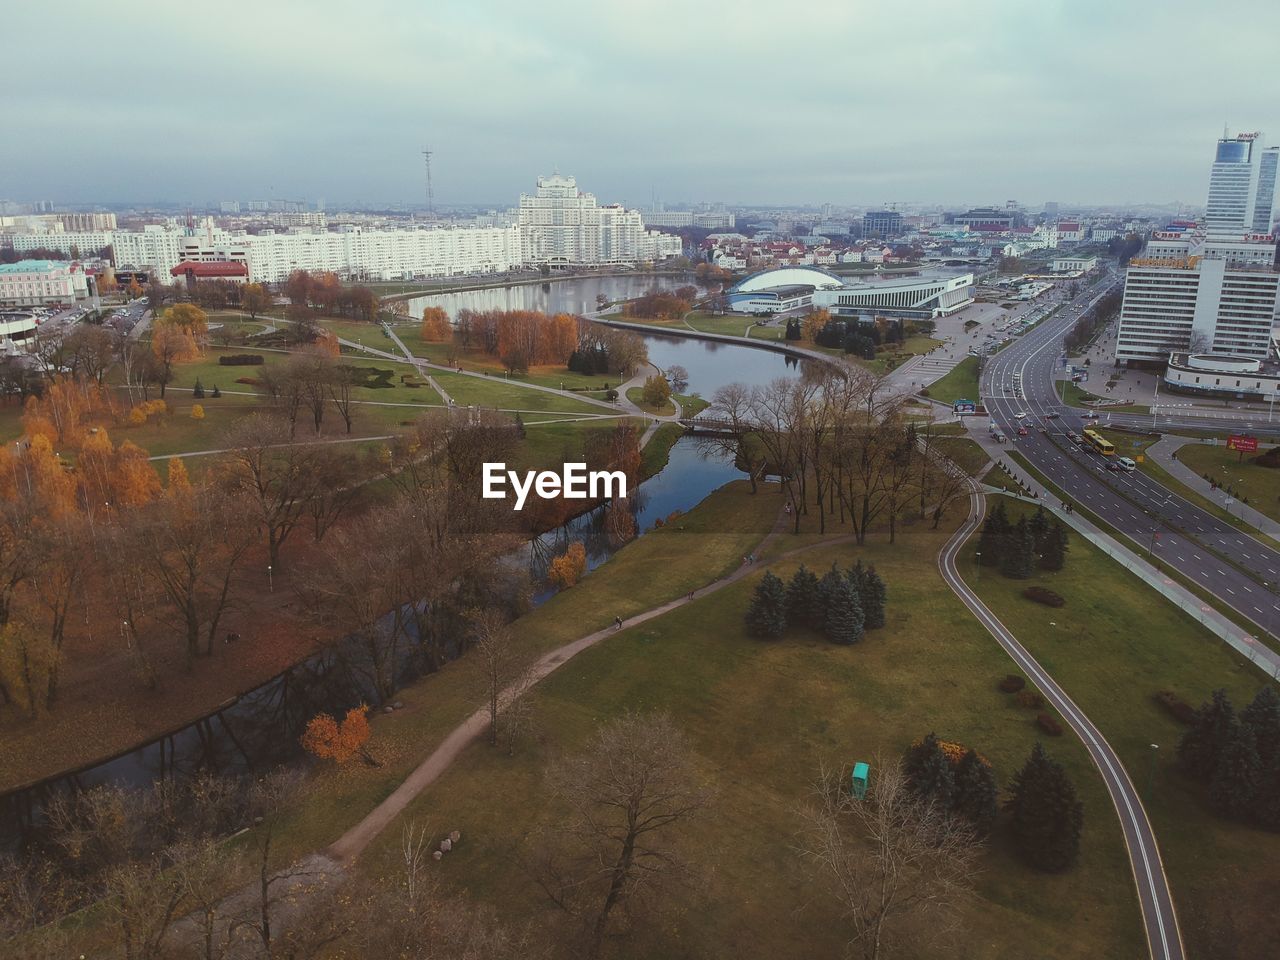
x=271 y=584
x=1151 y=777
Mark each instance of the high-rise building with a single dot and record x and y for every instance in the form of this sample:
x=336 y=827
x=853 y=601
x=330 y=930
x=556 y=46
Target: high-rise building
x=561 y=225
x=881 y=223
x=1242 y=185
x=1196 y=304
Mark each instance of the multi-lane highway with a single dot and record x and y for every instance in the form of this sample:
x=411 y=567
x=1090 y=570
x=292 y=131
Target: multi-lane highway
x=1241 y=570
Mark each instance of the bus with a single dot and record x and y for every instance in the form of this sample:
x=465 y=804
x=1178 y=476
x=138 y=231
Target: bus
x=1099 y=443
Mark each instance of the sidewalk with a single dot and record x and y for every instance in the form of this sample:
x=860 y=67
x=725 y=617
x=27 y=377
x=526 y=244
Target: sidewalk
x=1242 y=642
x=1163 y=453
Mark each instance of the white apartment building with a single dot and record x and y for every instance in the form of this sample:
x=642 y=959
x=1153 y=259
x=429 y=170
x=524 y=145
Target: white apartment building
x=34 y=282
x=1198 y=305
x=560 y=225
x=362 y=254
x=80 y=244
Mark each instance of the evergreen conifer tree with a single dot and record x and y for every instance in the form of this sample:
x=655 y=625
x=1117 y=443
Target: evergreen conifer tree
x=994 y=530
x=767 y=614
x=1262 y=716
x=1046 y=815
x=197 y=392
x=844 y=613
x=1017 y=558
x=975 y=798
x=1039 y=524
x=929 y=772
x=216 y=392
x=874 y=596
x=1053 y=555
x=1202 y=746
x=1233 y=791
x=804 y=605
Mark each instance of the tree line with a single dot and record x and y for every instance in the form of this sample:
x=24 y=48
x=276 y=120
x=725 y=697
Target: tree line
x=841 y=446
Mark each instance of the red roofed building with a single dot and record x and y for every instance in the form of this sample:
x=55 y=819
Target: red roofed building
x=192 y=271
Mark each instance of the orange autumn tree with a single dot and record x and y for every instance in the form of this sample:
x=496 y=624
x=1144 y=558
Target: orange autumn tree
x=327 y=739
x=187 y=316
x=567 y=569
x=813 y=323
x=121 y=476
x=435 y=325
x=65 y=411
x=34 y=474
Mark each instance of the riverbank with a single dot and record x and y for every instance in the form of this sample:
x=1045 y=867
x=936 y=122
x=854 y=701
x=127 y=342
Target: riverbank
x=447 y=288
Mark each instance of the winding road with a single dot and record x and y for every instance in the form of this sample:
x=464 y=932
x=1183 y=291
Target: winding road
x=1159 y=917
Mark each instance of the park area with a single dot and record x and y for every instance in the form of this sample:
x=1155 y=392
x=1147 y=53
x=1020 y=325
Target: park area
x=1250 y=480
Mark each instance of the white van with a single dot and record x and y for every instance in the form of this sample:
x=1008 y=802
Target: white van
x=1126 y=464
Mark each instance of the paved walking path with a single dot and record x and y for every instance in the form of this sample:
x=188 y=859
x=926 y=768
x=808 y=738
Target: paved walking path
x=1163 y=453
x=1225 y=629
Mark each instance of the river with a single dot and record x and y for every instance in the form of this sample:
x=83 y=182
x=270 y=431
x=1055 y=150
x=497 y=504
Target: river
x=262 y=727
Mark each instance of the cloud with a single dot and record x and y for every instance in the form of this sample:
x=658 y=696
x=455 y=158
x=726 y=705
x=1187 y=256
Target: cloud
x=847 y=102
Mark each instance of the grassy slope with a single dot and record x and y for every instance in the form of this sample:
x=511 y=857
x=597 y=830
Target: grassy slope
x=762 y=716
x=961 y=383
x=1115 y=644
x=1260 y=485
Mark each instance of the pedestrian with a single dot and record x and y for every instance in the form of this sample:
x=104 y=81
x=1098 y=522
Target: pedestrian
x=787 y=508
x=617 y=623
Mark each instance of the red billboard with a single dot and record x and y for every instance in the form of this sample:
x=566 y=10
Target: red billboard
x=1243 y=443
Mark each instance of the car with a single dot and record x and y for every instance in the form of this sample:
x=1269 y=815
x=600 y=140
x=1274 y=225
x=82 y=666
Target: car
x=1023 y=431
x=1090 y=415
x=1052 y=416
x=1115 y=466
x=1020 y=415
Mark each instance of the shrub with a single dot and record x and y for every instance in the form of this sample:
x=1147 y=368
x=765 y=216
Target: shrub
x=216 y=392
x=1049 y=724
x=197 y=411
x=1176 y=707
x=1045 y=596
x=249 y=381
x=241 y=360
x=1030 y=699
x=1012 y=683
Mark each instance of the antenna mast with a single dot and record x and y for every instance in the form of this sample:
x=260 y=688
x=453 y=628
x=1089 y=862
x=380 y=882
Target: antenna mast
x=431 y=200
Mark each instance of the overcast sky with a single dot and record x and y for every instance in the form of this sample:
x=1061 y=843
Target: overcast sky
x=749 y=102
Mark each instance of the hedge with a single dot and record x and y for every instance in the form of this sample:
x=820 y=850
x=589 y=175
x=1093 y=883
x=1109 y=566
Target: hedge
x=1045 y=596
x=1012 y=683
x=1049 y=724
x=241 y=360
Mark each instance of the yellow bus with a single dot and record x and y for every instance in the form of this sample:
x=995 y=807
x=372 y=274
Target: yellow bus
x=1099 y=443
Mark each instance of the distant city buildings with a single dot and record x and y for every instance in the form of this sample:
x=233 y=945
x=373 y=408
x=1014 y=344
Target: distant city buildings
x=561 y=225
x=688 y=218
x=1209 y=288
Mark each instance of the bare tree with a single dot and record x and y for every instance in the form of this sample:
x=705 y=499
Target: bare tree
x=892 y=862
x=275 y=475
x=628 y=794
x=142 y=900
x=731 y=406
x=505 y=676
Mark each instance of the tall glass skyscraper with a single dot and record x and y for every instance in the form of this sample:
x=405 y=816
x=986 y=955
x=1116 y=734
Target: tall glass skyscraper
x=1242 y=185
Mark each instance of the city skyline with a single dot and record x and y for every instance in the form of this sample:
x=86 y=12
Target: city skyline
x=1001 y=102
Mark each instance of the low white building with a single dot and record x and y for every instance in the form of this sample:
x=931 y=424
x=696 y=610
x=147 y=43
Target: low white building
x=1074 y=264
x=30 y=283
x=1222 y=375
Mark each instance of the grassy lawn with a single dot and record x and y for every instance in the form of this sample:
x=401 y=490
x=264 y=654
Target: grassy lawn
x=508 y=394
x=636 y=396
x=1115 y=643
x=1076 y=397
x=762 y=717
x=659 y=566
x=965 y=451
x=476 y=361
x=1260 y=485
x=961 y=383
